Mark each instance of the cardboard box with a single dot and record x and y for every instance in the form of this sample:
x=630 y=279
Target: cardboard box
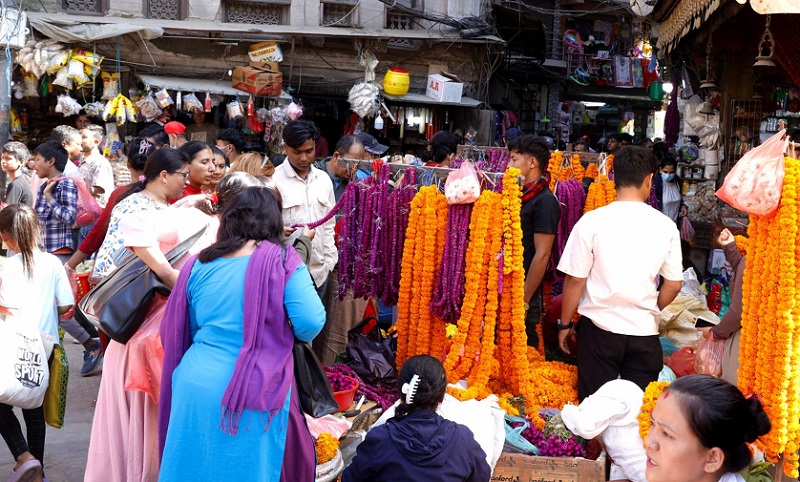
x=265 y=52
x=529 y=468
x=444 y=87
x=257 y=81
x=273 y=66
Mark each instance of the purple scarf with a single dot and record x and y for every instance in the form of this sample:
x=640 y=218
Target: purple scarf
x=264 y=369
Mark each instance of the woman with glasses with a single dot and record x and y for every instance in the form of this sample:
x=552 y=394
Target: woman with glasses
x=124 y=441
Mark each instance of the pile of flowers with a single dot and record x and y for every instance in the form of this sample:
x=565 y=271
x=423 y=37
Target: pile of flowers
x=769 y=358
x=554 y=440
x=383 y=396
x=327 y=446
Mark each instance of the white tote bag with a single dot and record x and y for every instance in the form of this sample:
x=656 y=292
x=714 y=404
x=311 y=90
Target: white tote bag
x=24 y=371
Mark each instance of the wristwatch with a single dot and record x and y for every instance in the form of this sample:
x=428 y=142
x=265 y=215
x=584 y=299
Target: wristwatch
x=562 y=326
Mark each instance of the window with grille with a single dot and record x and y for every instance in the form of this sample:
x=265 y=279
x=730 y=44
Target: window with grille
x=338 y=13
x=397 y=19
x=166 y=9
x=84 y=7
x=261 y=12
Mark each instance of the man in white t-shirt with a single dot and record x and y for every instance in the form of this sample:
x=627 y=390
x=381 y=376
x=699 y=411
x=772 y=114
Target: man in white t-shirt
x=612 y=262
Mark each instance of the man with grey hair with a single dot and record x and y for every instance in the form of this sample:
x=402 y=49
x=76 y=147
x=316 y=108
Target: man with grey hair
x=70 y=139
x=14 y=157
x=96 y=170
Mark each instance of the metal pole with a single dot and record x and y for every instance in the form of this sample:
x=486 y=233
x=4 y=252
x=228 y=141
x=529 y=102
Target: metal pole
x=5 y=86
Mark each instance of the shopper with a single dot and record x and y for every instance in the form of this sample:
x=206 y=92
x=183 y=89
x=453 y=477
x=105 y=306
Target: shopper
x=201 y=167
x=124 y=441
x=614 y=143
x=232 y=143
x=730 y=326
x=157 y=135
x=176 y=132
x=253 y=163
x=611 y=262
x=201 y=130
x=417 y=443
x=700 y=431
x=220 y=168
x=307 y=196
x=207 y=354
x=95 y=168
x=14 y=157
x=33 y=287
x=348 y=147
x=138 y=152
x=71 y=140
x=56 y=207
x=668 y=189
x=371 y=145
x=539 y=218
x=442 y=149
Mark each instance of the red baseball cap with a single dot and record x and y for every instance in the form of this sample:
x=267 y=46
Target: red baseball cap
x=175 y=127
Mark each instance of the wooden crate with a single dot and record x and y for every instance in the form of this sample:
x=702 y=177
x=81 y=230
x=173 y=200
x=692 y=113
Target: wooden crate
x=529 y=468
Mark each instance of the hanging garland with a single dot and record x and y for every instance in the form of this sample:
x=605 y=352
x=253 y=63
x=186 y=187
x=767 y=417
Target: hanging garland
x=419 y=332
x=769 y=358
x=651 y=394
x=449 y=286
x=571 y=198
x=601 y=193
x=397 y=211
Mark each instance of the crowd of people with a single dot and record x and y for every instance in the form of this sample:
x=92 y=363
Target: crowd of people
x=207 y=379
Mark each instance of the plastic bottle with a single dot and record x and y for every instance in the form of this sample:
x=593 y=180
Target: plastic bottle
x=207 y=103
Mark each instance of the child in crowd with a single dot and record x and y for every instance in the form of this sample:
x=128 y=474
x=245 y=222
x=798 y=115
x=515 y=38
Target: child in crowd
x=700 y=429
x=418 y=444
x=19 y=191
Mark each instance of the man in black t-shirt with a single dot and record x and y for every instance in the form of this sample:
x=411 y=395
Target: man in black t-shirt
x=14 y=157
x=539 y=218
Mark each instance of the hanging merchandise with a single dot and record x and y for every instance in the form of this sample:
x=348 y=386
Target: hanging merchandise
x=234 y=109
x=602 y=191
x=251 y=107
x=448 y=292
x=163 y=98
x=148 y=108
x=120 y=107
x=179 y=101
x=207 y=103
x=568 y=189
x=67 y=106
x=94 y=109
x=462 y=186
x=363 y=99
x=191 y=103
x=76 y=73
x=293 y=111
x=111 y=85
x=42 y=56
x=31 y=84
x=62 y=78
x=86 y=57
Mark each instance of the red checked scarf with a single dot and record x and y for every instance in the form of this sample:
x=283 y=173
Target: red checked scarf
x=530 y=190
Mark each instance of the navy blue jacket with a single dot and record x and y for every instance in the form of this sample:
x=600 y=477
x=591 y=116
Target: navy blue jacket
x=421 y=447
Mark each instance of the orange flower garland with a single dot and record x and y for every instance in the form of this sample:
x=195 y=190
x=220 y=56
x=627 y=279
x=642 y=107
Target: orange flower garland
x=651 y=395
x=769 y=355
x=601 y=193
x=554 y=167
x=591 y=171
x=577 y=169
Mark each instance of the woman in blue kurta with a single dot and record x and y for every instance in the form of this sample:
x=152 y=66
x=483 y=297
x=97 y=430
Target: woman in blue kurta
x=231 y=408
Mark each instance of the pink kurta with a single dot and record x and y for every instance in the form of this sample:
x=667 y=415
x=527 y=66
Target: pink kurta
x=124 y=442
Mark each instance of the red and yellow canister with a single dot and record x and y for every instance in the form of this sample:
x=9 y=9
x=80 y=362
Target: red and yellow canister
x=396 y=82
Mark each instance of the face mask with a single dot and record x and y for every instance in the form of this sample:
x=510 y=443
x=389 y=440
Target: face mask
x=667 y=177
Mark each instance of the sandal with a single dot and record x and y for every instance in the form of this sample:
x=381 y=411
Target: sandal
x=27 y=472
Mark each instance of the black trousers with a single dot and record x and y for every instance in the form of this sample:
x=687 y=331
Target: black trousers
x=532 y=318
x=12 y=431
x=604 y=356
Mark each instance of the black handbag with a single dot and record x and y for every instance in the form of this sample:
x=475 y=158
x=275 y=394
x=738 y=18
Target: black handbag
x=119 y=304
x=313 y=387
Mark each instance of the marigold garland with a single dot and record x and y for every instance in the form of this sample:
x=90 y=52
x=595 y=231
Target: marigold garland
x=651 y=395
x=769 y=357
x=327 y=445
x=591 y=171
x=742 y=243
x=601 y=193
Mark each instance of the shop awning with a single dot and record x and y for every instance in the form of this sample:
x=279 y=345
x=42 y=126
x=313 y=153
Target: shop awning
x=66 y=29
x=685 y=17
x=412 y=98
x=221 y=87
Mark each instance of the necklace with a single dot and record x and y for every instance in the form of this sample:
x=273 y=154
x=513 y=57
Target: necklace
x=155 y=197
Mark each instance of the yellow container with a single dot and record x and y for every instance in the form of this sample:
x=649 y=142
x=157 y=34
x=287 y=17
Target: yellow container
x=396 y=82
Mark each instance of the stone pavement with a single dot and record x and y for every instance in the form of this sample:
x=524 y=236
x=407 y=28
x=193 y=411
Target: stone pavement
x=66 y=448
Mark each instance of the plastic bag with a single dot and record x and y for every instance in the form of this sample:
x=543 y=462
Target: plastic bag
x=76 y=73
x=708 y=359
x=755 y=182
x=515 y=442
x=110 y=85
x=462 y=186
x=24 y=374
x=336 y=426
x=235 y=110
x=67 y=106
x=687 y=231
x=62 y=79
x=192 y=103
x=148 y=108
x=88 y=210
x=164 y=98
x=55 y=398
x=682 y=361
x=372 y=355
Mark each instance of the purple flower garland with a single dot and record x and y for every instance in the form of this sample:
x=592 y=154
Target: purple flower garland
x=552 y=446
x=448 y=293
x=571 y=197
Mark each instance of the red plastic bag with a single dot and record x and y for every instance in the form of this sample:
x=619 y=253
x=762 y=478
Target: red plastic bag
x=462 y=186
x=682 y=361
x=87 y=209
x=708 y=359
x=755 y=182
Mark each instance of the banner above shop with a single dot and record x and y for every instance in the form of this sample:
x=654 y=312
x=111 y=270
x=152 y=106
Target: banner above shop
x=773 y=6
x=687 y=16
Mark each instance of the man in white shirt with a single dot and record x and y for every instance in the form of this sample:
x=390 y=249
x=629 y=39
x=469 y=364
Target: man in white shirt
x=612 y=261
x=95 y=168
x=307 y=196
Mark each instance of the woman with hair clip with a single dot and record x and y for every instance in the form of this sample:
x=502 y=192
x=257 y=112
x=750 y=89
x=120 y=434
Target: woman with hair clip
x=418 y=444
x=124 y=441
x=700 y=431
x=227 y=389
x=33 y=287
